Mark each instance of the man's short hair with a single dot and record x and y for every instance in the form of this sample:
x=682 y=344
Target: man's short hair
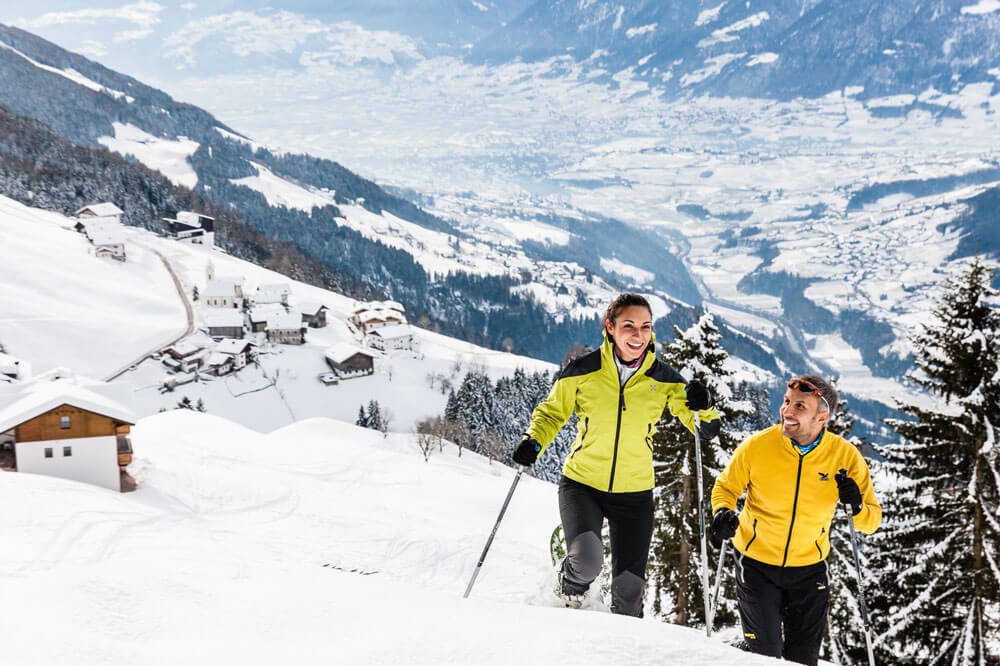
x=826 y=388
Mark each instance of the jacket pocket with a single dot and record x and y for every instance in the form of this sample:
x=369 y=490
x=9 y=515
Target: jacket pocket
x=649 y=437
x=819 y=550
x=583 y=437
x=754 y=537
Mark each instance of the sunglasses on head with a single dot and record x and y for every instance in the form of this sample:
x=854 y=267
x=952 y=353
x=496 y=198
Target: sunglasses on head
x=805 y=386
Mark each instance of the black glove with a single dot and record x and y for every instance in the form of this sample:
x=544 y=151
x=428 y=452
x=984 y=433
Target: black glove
x=724 y=525
x=849 y=491
x=526 y=452
x=698 y=396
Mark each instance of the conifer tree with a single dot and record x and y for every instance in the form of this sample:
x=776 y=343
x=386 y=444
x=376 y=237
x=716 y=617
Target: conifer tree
x=941 y=537
x=362 y=420
x=675 y=581
x=375 y=420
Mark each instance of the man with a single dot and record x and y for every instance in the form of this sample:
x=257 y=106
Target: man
x=792 y=473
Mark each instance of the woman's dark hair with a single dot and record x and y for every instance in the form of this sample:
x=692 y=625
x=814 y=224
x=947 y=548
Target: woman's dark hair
x=623 y=301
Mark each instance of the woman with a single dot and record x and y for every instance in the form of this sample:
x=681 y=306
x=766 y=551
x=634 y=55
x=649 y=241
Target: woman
x=618 y=392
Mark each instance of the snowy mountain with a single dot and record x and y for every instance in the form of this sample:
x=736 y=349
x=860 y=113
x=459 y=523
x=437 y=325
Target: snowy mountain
x=508 y=283
x=766 y=48
x=319 y=543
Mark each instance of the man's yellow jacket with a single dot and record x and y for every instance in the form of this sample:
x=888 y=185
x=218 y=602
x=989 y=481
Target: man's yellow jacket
x=613 y=450
x=791 y=497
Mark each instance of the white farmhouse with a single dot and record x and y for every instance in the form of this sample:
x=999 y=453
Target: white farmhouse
x=240 y=351
x=391 y=338
x=104 y=210
x=59 y=427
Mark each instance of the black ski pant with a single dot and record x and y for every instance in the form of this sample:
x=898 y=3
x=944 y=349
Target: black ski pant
x=630 y=523
x=772 y=598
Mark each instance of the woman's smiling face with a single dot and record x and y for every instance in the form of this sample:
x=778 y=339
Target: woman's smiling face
x=631 y=330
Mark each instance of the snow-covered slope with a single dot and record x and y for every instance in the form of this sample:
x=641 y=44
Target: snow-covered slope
x=319 y=543
x=63 y=307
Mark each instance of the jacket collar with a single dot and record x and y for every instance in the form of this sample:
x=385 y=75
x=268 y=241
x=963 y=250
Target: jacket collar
x=608 y=354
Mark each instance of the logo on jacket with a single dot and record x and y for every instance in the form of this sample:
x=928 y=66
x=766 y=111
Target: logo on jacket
x=823 y=476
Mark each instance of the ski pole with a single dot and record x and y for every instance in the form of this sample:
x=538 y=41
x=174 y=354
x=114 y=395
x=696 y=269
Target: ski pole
x=718 y=580
x=861 y=592
x=489 y=542
x=701 y=524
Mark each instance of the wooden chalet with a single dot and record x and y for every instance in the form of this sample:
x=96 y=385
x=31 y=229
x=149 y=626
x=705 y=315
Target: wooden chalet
x=313 y=315
x=61 y=428
x=286 y=328
x=346 y=360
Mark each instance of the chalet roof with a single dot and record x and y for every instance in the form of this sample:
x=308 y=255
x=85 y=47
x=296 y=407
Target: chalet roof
x=286 y=321
x=216 y=359
x=96 y=224
x=266 y=311
x=100 y=210
x=222 y=287
x=222 y=318
x=37 y=398
x=272 y=293
x=383 y=314
x=184 y=348
x=192 y=218
x=342 y=351
x=394 y=332
x=106 y=237
x=310 y=308
x=231 y=347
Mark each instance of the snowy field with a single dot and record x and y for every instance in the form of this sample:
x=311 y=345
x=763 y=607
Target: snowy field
x=317 y=543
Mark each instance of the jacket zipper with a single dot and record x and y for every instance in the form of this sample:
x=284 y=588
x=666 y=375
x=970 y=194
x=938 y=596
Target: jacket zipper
x=795 y=505
x=618 y=429
x=649 y=437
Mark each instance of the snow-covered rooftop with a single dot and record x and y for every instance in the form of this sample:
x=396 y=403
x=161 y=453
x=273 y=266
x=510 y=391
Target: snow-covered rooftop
x=100 y=210
x=286 y=321
x=38 y=397
x=230 y=346
x=266 y=311
x=272 y=293
x=310 y=308
x=394 y=332
x=222 y=317
x=222 y=286
x=342 y=351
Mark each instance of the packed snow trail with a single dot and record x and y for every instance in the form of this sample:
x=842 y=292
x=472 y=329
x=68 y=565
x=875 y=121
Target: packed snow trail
x=238 y=547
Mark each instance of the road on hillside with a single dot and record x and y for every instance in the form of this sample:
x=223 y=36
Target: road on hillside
x=189 y=311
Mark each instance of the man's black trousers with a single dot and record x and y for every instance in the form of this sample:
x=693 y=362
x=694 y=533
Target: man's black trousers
x=630 y=523
x=771 y=598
